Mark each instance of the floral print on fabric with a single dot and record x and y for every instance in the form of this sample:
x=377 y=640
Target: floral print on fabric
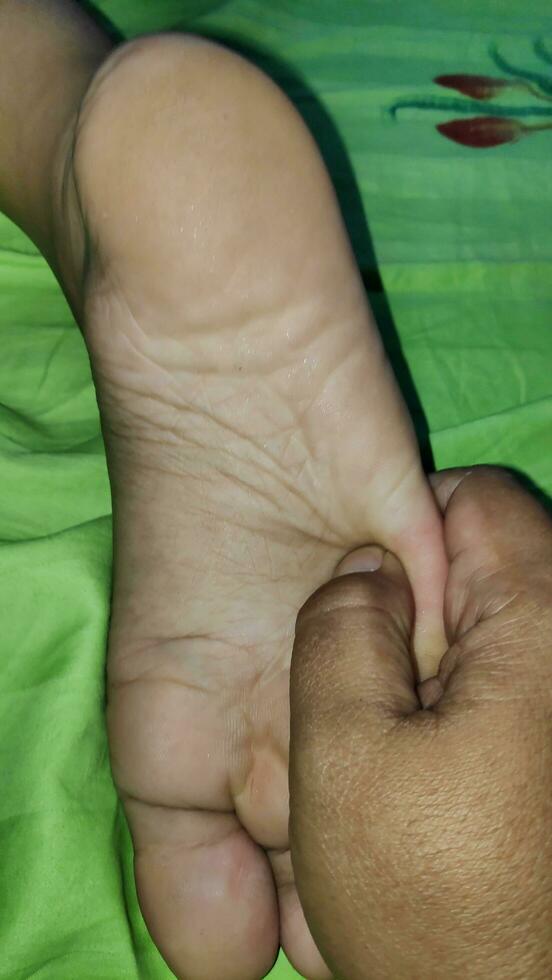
x=492 y=124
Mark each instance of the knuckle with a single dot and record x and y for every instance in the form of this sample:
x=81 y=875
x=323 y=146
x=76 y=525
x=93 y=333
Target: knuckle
x=354 y=591
x=488 y=475
x=360 y=600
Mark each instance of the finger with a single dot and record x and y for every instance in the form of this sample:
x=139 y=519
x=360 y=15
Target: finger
x=352 y=647
x=498 y=539
x=498 y=610
x=444 y=483
x=351 y=683
x=351 y=676
x=503 y=516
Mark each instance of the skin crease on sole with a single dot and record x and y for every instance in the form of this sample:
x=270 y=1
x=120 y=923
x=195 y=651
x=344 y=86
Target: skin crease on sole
x=254 y=434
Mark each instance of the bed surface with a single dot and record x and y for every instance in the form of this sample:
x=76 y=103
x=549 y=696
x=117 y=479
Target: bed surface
x=455 y=246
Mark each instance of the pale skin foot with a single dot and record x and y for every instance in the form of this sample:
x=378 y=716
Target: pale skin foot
x=254 y=434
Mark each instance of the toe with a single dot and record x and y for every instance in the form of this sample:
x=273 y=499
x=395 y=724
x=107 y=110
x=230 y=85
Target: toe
x=206 y=892
x=295 y=935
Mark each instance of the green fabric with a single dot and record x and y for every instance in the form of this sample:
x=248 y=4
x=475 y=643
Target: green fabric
x=461 y=238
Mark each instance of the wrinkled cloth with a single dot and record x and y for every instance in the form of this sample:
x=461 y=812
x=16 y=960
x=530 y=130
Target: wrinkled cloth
x=446 y=193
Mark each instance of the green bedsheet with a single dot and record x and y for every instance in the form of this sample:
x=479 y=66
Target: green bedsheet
x=455 y=246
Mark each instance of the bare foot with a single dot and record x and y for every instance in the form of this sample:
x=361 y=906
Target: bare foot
x=254 y=434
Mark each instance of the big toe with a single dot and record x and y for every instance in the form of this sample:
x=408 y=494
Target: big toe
x=206 y=892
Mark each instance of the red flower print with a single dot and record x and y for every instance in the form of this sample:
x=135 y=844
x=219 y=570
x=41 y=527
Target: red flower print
x=483 y=131
x=476 y=86
x=479 y=124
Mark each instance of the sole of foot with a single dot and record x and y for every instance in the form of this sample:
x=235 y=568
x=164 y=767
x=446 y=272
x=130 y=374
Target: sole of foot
x=254 y=434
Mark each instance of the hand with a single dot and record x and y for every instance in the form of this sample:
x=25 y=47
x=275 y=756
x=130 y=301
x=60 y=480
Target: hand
x=420 y=839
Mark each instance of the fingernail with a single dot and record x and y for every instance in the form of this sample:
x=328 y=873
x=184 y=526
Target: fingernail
x=430 y=692
x=362 y=560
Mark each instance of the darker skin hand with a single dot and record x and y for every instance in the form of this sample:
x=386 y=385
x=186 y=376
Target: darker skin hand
x=420 y=836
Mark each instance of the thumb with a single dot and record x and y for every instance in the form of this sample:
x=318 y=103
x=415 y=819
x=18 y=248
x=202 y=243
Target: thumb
x=351 y=682
x=352 y=646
